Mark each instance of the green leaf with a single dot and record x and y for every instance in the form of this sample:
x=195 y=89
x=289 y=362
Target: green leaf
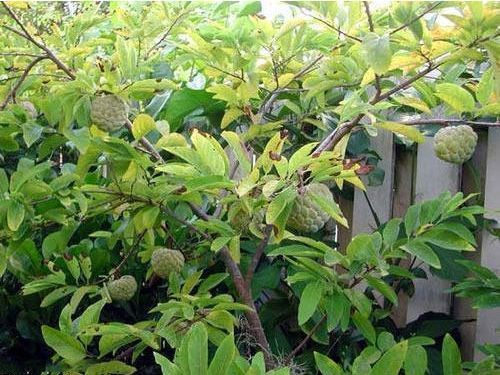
x=378 y=52
x=250 y=8
x=413 y=102
x=31 y=133
x=391 y=231
x=412 y=219
x=455 y=96
x=309 y=300
x=111 y=367
x=331 y=208
x=57 y=294
x=365 y=326
x=408 y=131
x=142 y=125
x=65 y=345
x=327 y=366
x=485 y=87
x=279 y=204
x=238 y=148
x=185 y=101
x=423 y=252
x=416 y=361
x=383 y=288
x=198 y=349
x=223 y=357
x=447 y=240
x=15 y=215
x=450 y=357
x=167 y=367
x=392 y=361
x=230 y=115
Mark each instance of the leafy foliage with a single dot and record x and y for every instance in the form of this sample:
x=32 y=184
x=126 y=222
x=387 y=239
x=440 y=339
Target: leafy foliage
x=231 y=116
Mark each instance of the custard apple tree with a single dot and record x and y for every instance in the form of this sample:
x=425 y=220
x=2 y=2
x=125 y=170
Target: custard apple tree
x=170 y=176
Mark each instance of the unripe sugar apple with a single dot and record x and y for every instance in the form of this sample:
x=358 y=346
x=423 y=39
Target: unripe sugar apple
x=108 y=112
x=306 y=216
x=455 y=144
x=122 y=289
x=164 y=261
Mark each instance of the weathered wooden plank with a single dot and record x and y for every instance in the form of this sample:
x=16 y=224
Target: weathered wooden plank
x=404 y=177
x=380 y=196
x=344 y=234
x=433 y=176
x=473 y=181
x=489 y=320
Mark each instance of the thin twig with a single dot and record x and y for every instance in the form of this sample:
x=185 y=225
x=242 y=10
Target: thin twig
x=378 y=86
x=305 y=340
x=25 y=34
x=331 y=26
x=448 y=122
x=258 y=254
x=167 y=33
x=405 y=25
x=129 y=253
x=369 y=16
x=145 y=143
x=12 y=92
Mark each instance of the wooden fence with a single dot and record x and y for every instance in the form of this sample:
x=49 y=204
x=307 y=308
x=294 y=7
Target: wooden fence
x=412 y=176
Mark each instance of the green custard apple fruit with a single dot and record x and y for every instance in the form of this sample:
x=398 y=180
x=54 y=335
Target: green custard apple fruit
x=164 y=261
x=455 y=144
x=306 y=215
x=122 y=289
x=108 y=112
x=240 y=219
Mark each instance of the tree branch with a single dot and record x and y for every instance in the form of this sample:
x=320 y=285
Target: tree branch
x=305 y=340
x=258 y=254
x=245 y=294
x=167 y=33
x=12 y=92
x=145 y=143
x=331 y=26
x=378 y=86
x=25 y=34
x=405 y=25
x=448 y=122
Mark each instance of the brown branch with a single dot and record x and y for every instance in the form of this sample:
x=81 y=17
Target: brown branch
x=26 y=35
x=378 y=86
x=245 y=294
x=368 y=14
x=145 y=143
x=448 y=122
x=258 y=254
x=129 y=253
x=242 y=78
x=405 y=25
x=305 y=340
x=19 y=54
x=12 y=92
x=328 y=24
x=167 y=33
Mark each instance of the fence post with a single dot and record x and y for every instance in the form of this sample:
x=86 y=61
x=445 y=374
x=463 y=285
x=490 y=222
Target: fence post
x=404 y=181
x=380 y=196
x=433 y=176
x=488 y=321
x=473 y=181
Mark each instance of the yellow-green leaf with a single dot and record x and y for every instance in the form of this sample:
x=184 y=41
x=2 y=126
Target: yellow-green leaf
x=231 y=115
x=142 y=125
x=406 y=130
x=455 y=96
x=414 y=103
